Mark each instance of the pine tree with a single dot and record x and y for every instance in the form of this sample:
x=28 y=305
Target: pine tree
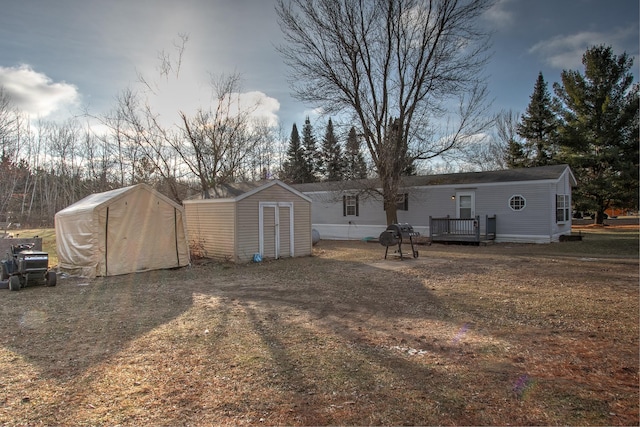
x=311 y=155
x=294 y=167
x=538 y=127
x=331 y=154
x=355 y=167
x=514 y=156
x=598 y=133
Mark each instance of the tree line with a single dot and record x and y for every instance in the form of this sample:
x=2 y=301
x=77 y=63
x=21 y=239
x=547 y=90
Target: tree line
x=46 y=165
x=305 y=162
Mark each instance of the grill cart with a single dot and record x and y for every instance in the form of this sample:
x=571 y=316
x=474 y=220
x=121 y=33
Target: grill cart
x=396 y=234
x=25 y=267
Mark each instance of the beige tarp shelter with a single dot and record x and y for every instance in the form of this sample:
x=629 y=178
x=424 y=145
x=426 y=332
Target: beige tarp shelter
x=128 y=230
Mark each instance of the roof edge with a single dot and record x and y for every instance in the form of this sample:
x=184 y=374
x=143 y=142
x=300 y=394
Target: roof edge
x=269 y=185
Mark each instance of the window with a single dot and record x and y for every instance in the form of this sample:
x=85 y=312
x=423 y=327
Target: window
x=350 y=205
x=402 y=202
x=563 y=207
x=517 y=203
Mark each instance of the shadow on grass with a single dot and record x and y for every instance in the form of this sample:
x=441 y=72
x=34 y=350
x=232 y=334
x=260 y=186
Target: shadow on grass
x=333 y=342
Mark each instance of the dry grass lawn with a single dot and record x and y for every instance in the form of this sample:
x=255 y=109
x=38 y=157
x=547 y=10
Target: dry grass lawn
x=462 y=335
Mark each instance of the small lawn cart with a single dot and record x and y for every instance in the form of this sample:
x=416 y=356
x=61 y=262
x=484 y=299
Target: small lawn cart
x=25 y=267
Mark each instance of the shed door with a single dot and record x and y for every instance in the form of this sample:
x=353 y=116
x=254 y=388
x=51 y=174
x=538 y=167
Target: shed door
x=276 y=229
x=466 y=204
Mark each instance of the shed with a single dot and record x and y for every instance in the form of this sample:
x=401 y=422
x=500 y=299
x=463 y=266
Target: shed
x=529 y=205
x=127 y=230
x=240 y=220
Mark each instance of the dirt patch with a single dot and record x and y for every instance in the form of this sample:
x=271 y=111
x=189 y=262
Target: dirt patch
x=496 y=335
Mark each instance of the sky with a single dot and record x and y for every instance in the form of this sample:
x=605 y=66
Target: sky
x=63 y=57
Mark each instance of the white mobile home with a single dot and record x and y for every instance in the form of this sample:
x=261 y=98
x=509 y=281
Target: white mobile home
x=529 y=204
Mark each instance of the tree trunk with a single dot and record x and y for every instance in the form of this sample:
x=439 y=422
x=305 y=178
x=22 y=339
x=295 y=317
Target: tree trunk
x=389 y=195
x=599 y=218
x=391 y=211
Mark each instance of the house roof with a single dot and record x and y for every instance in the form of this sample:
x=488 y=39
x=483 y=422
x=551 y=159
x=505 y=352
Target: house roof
x=552 y=172
x=239 y=190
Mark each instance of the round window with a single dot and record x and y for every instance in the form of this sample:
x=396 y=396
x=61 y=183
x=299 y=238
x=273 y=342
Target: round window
x=517 y=203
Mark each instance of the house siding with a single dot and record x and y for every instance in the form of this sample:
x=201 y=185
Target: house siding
x=563 y=186
x=535 y=223
x=211 y=228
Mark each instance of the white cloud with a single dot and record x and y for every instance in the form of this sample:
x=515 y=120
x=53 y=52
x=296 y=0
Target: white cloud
x=35 y=93
x=266 y=108
x=565 y=51
x=498 y=15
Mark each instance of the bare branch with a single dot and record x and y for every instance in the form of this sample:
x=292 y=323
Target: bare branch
x=394 y=66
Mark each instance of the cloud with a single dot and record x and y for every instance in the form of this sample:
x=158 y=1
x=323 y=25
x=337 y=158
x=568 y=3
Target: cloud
x=565 y=51
x=35 y=93
x=266 y=108
x=498 y=15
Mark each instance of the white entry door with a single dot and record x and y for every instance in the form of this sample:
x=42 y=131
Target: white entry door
x=276 y=229
x=466 y=204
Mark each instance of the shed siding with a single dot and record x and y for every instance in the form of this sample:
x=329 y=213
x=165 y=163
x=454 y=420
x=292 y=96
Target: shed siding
x=285 y=231
x=248 y=229
x=211 y=228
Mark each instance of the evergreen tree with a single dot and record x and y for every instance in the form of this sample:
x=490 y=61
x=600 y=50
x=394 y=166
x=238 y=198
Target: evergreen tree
x=294 y=167
x=355 y=167
x=332 y=161
x=538 y=127
x=311 y=155
x=599 y=130
x=515 y=157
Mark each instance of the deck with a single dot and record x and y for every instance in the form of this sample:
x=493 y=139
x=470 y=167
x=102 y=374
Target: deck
x=462 y=229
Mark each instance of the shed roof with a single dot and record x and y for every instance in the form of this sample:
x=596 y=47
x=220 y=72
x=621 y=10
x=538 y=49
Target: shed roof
x=552 y=172
x=239 y=190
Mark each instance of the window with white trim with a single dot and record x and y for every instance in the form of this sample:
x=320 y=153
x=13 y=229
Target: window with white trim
x=563 y=207
x=350 y=205
x=517 y=202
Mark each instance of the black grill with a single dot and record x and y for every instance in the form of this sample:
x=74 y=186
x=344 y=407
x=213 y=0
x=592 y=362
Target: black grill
x=397 y=234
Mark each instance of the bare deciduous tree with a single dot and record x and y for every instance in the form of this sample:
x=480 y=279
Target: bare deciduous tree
x=502 y=149
x=221 y=139
x=395 y=66
x=9 y=117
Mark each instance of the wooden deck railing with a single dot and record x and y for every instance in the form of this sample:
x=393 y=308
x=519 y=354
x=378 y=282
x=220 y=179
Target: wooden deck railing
x=461 y=229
